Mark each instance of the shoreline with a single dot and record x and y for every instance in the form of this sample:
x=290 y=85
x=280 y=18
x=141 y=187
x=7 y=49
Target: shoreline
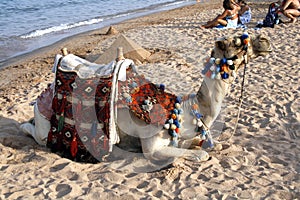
x=24 y=43
x=25 y=56
x=260 y=161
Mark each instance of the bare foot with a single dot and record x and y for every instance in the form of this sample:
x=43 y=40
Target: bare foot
x=292 y=21
x=202 y=27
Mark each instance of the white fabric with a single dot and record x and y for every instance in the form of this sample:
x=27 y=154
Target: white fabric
x=84 y=68
x=232 y=23
x=246 y=17
x=119 y=74
x=122 y=71
x=56 y=61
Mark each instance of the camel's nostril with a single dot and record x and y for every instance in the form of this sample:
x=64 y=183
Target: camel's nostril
x=221 y=45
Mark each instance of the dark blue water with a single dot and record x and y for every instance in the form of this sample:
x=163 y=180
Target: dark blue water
x=26 y=25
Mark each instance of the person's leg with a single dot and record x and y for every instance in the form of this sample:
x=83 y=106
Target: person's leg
x=292 y=14
x=214 y=23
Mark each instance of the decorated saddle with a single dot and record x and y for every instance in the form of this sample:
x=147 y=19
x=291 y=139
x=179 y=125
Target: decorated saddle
x=86 y=97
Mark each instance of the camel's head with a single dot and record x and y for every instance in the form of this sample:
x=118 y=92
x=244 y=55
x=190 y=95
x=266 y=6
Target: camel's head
x=230 y=53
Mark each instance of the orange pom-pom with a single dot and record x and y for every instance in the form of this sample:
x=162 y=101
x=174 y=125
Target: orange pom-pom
x=173 y=116
x=225 y=68
x=195 y=106
x=246 y=41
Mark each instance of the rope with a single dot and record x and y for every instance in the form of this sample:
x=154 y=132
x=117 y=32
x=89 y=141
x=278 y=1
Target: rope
x=240 y=104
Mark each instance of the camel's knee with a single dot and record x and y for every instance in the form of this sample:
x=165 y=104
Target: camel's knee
x=41 y=129
x=28 y=129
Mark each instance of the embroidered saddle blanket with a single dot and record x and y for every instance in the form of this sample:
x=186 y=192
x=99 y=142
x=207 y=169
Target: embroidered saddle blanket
x=85 y=99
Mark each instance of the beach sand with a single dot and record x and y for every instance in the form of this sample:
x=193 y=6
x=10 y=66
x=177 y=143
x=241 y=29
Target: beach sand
x=260 y=161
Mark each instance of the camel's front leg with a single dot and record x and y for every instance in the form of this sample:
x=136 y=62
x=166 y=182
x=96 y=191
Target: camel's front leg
x=157 y=148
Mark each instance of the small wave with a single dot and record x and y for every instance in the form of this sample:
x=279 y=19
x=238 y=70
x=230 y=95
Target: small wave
x=61 y=27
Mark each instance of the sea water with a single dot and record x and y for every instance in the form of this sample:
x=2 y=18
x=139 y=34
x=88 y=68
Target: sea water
x=27 y=25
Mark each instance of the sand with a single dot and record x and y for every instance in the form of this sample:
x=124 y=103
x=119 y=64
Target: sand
x=260 y=161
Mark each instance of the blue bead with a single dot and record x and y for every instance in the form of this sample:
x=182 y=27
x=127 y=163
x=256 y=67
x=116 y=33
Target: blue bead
x=128 y=100
x=244 y=36
x=198 y=115
x=134 y=84
x=175 y=111
x=218 y=68
x=177 y=124
x=180 y=111
x=223 y=61
x=173 y=133
x=212 y=60
x=178 y=99
x=225 y=75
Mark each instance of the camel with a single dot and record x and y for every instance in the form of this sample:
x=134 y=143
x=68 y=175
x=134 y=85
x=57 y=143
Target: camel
x=191 y=117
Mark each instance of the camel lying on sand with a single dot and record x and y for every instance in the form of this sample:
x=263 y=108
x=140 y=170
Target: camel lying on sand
x=160 y=124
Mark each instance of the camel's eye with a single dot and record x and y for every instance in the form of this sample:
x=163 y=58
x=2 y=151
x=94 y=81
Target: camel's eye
x=221 y=45
x=237 y=41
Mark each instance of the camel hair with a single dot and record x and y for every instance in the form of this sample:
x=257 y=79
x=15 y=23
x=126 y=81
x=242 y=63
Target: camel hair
x=199 y=111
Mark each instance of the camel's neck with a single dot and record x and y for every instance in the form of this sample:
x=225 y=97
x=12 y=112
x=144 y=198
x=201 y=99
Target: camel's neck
x=210 y=97
x=209 y=100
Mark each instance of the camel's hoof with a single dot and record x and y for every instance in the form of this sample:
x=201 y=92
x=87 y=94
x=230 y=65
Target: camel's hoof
x=218 y=147
x=202 y=157
x=205 y=158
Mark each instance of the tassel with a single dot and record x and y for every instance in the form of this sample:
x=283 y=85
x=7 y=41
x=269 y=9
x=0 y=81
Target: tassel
x=79 y=107
x=63 y=104
x=94 y=128
x=105 y=141
x=74 y=147
x=78 y=110
x=60 y=123
x=54 y=103
x=62 y=113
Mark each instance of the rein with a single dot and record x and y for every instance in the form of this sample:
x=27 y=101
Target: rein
x=240 y=102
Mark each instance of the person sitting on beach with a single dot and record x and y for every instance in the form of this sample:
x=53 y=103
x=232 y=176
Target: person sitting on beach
x=244 y=13
x=229 y=17
x=291 y=9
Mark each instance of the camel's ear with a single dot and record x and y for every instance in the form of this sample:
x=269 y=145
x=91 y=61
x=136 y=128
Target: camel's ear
x=261 y=46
